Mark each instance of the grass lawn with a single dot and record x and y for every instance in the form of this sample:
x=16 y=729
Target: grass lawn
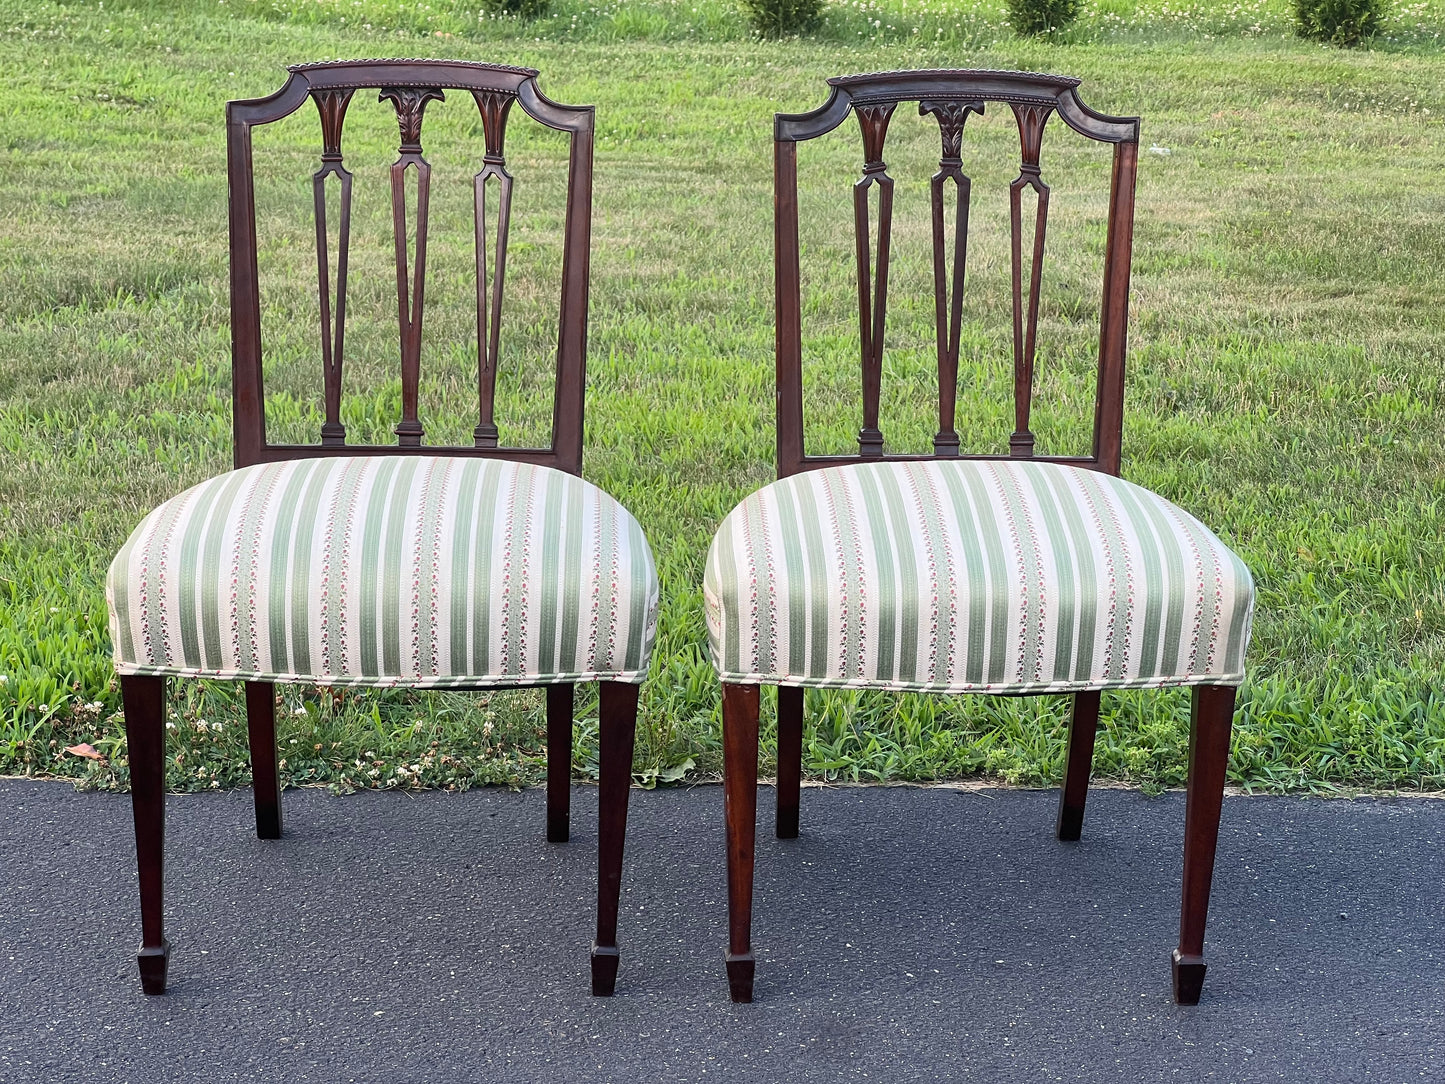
x=1286 y=383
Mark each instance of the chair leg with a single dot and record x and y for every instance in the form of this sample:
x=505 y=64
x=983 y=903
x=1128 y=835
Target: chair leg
x=740 y=804
x=790 y=758
x=265 y=780
x=1211 y=718
x=559 y=763
x=1078 y=760
x=145 y=734
x=617 y=725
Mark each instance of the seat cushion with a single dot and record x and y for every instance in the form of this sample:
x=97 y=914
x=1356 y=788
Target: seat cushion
x=972 y=576
x=387 y=570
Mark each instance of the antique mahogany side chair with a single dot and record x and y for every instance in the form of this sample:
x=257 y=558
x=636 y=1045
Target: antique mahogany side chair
x=410 y=565
x=1014 y=574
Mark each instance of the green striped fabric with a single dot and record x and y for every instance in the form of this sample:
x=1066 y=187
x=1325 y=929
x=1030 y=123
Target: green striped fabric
x=972 y=576
x=387 y=570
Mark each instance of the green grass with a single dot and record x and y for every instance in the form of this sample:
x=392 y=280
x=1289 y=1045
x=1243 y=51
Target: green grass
x=1285 y=371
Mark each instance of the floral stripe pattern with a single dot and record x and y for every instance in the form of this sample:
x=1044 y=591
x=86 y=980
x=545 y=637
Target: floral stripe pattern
x=377 y=570
x=972 y=576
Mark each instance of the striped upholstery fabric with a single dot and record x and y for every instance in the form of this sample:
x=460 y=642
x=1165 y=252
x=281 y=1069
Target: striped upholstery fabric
x=972 y=576
x=387 y=570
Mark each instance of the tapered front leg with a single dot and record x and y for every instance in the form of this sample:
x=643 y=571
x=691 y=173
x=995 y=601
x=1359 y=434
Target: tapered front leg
x=559 y=763
x=265 y=778
x=1211 y=719
x=790 y=759
x=145 y=738
x=740 y=805
x=1078 y=760
x=617 y=724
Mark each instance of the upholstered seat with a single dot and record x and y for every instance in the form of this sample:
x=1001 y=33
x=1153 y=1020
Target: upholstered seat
x=972 y=576
x=385 y=570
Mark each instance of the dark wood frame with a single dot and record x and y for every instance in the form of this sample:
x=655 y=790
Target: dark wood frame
x=950 y=96
x=409 y=85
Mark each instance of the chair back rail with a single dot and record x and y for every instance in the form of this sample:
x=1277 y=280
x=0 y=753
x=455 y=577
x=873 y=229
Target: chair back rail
x=949 y=97
x=410 y=85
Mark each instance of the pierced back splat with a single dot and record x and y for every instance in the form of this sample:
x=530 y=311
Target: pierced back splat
x=494 y=108
x=872 y=295
x=948 y=305
x=410 y=104
x=1031 y=120
x=950 y=96
x=409 y=85
x=331 y=104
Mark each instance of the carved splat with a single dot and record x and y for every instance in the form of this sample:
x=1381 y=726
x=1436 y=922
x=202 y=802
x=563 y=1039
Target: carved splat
x=325 y=86
x=410 y=104
x=494 y=107
x=949 y=96
x=948 y=303
x=331 y=104
x=872 y=284
x=1031 y=120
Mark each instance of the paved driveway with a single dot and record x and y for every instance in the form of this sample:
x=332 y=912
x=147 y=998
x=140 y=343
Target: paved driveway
x=909 y=935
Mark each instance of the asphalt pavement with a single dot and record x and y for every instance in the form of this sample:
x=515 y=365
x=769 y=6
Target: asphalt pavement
x=909 y=935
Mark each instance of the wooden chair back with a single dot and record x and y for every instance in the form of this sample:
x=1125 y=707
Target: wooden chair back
x=409 y=85
x=950 y=96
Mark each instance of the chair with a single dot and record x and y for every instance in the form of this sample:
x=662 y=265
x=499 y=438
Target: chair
x=407 y=565
x=1015 y=574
